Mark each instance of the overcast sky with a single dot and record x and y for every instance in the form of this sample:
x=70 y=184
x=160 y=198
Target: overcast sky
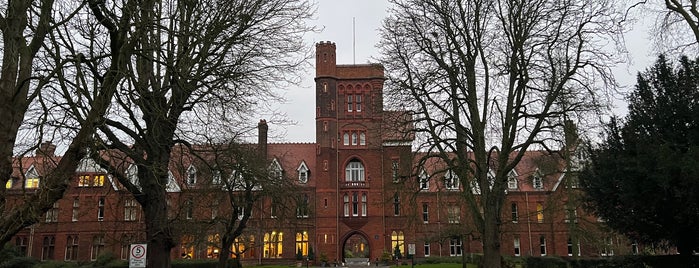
x=334 y=17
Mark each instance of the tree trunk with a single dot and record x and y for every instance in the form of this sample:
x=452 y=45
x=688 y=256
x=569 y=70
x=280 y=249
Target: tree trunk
x=158 y=231
x=491 y=239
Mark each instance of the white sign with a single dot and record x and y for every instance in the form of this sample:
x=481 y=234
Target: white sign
x=411 y=249
x=137 y=255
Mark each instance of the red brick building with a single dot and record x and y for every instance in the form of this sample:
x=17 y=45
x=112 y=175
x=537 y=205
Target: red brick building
x=361 y=195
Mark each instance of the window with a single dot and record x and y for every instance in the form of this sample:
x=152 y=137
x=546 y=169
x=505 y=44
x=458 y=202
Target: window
x=517 y=246
x=76 y=209
x=97 y=246
x=364 y=206
x=130 y=210
x=539 y=212
x=425 y=213
x=187 y=246
x=454 y=214
x=302 y=242
x=345 y=200
x=100 y=209
x=570 y=247
x=345 y=138
x=542 y=245
x=350 y=105
x=427 y=249
x=537 y=182
x=84 y=180
x=355 y=205
x=358 y=103
x=276 y=171
x=354 y=171
x=362 y=138
x=31 y=183
x=515 y=214
x=98 y=180
x=634 y=248
x=511 y=182
x=455 y=247
x=302 y=208
x=52 y=213
x=398 y=243
x=273 y=209
x=191 y=175
x=189 y=209
x=570 y=213
x=8 y=184
x=607 y=247
x=451 y=181
x=394 y=170
x=126 y=241
x=21 y=243
x=216 y=177
x=423 y=180
x=71 y=248
x=396 y=204
x=355 y=139
x=212 y=249
x=303 y=176
x=47 y=248
x=325 y=87
x=273 y=244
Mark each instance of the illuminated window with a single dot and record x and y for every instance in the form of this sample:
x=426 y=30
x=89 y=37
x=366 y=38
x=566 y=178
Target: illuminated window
x=212 y=246
x=52 y=213
x=273 y=244
x=302 y=242
x=84 y=180
x=455 y=245
x=539 y=212
x=130 y=210
x=398 y=243
x=72 y=248
x=354 y=171
x=97 y=246
x=187 y=246
x=8 y=184
x=98 y=180
x=31 y=183
x=76 y=209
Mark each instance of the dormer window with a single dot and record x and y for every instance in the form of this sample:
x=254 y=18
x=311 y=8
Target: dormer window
x=216 y=177
x=275 y=170
x=191 y=175
x=8 y=184
x=423 y=180
x=31 y=179
x=537 y=182
x=451 y=181
x=303 y=172
x=512 y=180
x=132 y=175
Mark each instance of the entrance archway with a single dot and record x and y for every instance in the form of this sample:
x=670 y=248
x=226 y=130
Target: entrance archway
x=356 y=246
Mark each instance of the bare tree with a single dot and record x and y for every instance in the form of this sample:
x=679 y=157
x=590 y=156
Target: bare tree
x=196 y=69
x=486 y=82
x=29 y=69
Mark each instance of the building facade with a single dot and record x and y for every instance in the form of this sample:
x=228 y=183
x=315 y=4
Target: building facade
x=359 y=193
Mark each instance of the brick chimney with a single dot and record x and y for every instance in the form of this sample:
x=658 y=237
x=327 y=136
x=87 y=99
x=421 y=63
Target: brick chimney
x=46 y=149
x=262 y=137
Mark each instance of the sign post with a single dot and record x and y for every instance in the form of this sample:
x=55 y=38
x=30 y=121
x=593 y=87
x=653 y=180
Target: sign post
x=411 y=254
x=137 y=255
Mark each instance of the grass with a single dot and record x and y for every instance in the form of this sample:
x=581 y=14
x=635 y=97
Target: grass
x=438 y=265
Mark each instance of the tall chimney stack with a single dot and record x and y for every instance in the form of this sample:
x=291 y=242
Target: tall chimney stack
x=46 y=149
x=262 y=138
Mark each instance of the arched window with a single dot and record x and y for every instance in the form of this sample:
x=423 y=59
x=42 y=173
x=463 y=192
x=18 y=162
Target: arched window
x=362 y=138
x=398 y=243
x=354 y=138
x=345 y=138
x=354 y=171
